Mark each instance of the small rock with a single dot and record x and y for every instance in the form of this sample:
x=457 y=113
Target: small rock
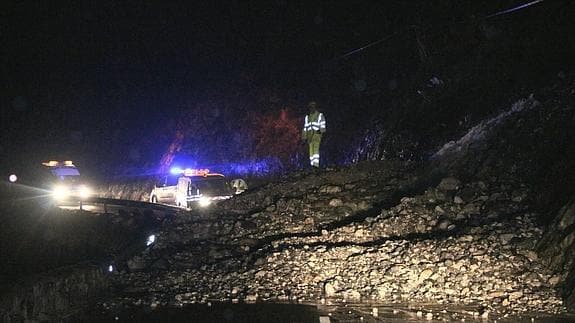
x=553 y=281
x=506 y=237
x=335 y=202
x=251 y=298
x=382 y=292
x=444 y=225
x=329 y=290
x=465 y=238
x=448 y=184
x=496 y=294
x=425 y=274
x=363 y=205
x=352 y=295
x=330 y=189
x=439 y=210
x=309 y=221
x=515 y=295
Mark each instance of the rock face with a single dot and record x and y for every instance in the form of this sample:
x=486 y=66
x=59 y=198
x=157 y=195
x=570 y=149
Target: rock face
x=530 y=150
x=52 y=295
x=135 y=190
x=558 y=250
x=457 y=243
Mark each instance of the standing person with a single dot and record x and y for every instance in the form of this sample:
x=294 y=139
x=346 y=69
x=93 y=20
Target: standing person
x=313 y=129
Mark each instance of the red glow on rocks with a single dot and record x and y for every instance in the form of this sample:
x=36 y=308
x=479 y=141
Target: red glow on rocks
x=173 y=148
x=277 y=134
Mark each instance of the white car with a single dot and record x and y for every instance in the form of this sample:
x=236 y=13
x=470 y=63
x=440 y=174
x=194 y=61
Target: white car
x=191 y=187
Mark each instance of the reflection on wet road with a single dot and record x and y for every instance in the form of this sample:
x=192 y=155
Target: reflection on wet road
x=229 y=312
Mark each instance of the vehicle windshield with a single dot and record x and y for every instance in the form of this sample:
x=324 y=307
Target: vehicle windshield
x=66 y=174
x=71 y=179
x=213 y=186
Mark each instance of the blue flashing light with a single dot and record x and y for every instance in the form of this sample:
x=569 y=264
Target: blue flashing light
x=176 y=170
x=257 y=167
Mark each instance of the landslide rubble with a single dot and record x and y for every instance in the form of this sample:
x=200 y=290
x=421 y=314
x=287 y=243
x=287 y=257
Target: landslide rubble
x=530 y=146
x=486 y=224
x=353 y=235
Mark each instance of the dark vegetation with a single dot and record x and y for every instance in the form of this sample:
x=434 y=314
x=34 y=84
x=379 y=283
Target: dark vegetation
x=427 y=83
x=235 y=90
x=37 y=237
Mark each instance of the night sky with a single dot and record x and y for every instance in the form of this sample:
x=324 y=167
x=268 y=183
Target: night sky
x=91 y=80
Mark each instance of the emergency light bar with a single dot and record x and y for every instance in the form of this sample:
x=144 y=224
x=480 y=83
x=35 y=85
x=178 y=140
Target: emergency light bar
x=51 y=163
x=54 y=163
x=176 y=170
x=196 y=172
x=190 y=171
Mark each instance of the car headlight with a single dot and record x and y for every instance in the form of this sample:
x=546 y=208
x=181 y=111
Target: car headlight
x=13 y=178
x=84 y=191
x=60 y=192
x=151 y=239
x=204 y=201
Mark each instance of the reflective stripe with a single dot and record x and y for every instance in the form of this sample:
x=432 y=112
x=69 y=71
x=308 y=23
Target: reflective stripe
x=321 y=121
x=314 y=160
x=314 y=125
x=306 y=125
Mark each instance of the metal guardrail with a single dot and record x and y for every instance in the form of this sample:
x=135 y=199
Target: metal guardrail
x=128 y=203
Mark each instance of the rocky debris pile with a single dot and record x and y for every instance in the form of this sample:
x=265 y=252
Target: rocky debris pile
x=481 y=133
x=346 y=236
x=531 y=144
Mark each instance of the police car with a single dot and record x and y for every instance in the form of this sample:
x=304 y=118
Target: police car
x=190 y=187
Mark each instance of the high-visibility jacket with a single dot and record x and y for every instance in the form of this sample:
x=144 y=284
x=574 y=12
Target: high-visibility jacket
x=314 y=123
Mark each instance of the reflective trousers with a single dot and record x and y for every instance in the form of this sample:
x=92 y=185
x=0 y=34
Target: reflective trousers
x=314 y=142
